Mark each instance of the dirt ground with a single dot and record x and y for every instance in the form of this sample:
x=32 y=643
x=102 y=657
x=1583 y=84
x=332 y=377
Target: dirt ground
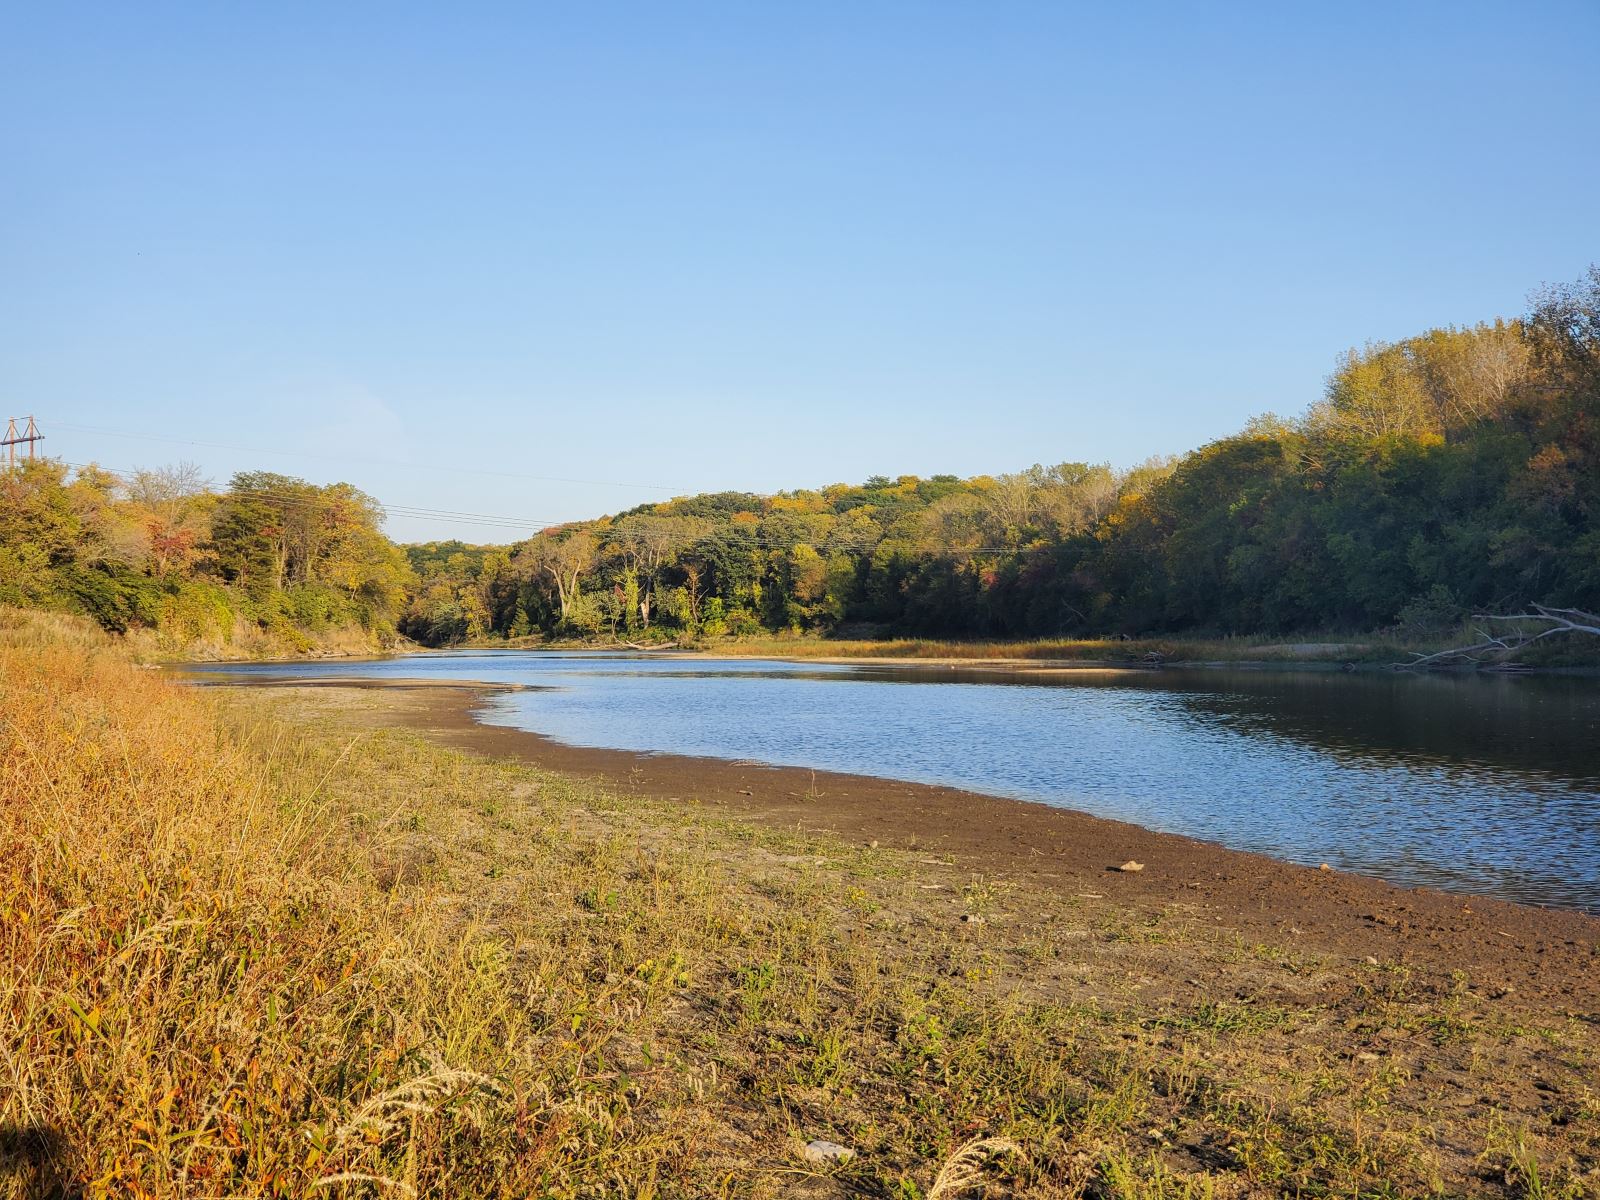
x=1548 y=956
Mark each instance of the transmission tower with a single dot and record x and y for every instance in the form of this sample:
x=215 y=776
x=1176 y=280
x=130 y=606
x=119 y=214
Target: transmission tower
x=29 y=436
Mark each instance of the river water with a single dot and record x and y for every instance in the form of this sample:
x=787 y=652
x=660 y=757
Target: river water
x=1484 y=785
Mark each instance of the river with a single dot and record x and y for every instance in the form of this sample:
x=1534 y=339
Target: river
x=1474 y=784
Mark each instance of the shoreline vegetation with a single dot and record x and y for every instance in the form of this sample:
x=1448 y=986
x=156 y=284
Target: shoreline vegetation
x=298 y=941
x=1039 y=656
x=1330 y=652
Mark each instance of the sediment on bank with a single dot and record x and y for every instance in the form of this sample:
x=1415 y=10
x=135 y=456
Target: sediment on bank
x=1545 y=951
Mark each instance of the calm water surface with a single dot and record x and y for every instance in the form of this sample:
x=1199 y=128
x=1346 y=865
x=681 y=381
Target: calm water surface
x=1482 y=785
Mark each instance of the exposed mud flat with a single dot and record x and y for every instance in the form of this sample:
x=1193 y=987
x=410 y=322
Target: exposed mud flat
x=1548 y=955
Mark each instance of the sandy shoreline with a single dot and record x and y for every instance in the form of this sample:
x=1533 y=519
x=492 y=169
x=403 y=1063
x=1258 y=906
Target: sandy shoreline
x=1548 y=955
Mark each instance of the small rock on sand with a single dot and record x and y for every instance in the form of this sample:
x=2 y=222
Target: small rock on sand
x=820 y=1151
x=1131 y=866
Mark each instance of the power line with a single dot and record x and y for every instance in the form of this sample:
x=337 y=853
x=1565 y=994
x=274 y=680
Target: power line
x=373 y=462
x=485 y=520
x=403 y=510
x=488 y=521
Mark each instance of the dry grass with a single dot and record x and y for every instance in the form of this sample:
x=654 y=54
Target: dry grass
x=1383 y=649
x=195 y=984
x=246 y=951
x=246 y=639
x=1329 y=649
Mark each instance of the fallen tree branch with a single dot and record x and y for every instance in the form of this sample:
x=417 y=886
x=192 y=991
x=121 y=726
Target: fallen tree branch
x=1568 y=620
x=1497 y=651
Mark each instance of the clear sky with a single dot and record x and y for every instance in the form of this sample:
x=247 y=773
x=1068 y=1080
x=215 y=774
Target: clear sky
x=528 y=260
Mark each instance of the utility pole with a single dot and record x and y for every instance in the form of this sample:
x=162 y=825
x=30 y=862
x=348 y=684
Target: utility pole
x=29 y=435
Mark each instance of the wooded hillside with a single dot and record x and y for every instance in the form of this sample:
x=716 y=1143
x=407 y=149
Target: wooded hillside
x=1456 y=470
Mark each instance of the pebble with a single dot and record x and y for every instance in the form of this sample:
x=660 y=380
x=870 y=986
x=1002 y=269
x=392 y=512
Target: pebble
x=825 y=1152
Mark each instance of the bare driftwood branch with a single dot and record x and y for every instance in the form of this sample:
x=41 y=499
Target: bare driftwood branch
x=1498 y=651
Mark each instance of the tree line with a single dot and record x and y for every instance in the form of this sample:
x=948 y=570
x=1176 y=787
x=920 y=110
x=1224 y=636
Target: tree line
x=1455 y=470
x=268 y=561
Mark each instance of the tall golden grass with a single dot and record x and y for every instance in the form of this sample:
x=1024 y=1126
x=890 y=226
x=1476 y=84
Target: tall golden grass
x=197 y=997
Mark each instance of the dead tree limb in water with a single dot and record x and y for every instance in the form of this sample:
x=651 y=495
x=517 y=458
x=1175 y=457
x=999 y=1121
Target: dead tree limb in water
x=1497 y=651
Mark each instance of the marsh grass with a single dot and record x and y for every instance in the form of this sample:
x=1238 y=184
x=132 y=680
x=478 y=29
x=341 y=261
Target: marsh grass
x=1331 y=648
x=251 y=945
x=1327 y=649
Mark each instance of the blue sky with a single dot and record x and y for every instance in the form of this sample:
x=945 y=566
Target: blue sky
x=468 y=256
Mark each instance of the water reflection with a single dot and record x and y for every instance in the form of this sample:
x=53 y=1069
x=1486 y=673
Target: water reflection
x=1486 y=785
